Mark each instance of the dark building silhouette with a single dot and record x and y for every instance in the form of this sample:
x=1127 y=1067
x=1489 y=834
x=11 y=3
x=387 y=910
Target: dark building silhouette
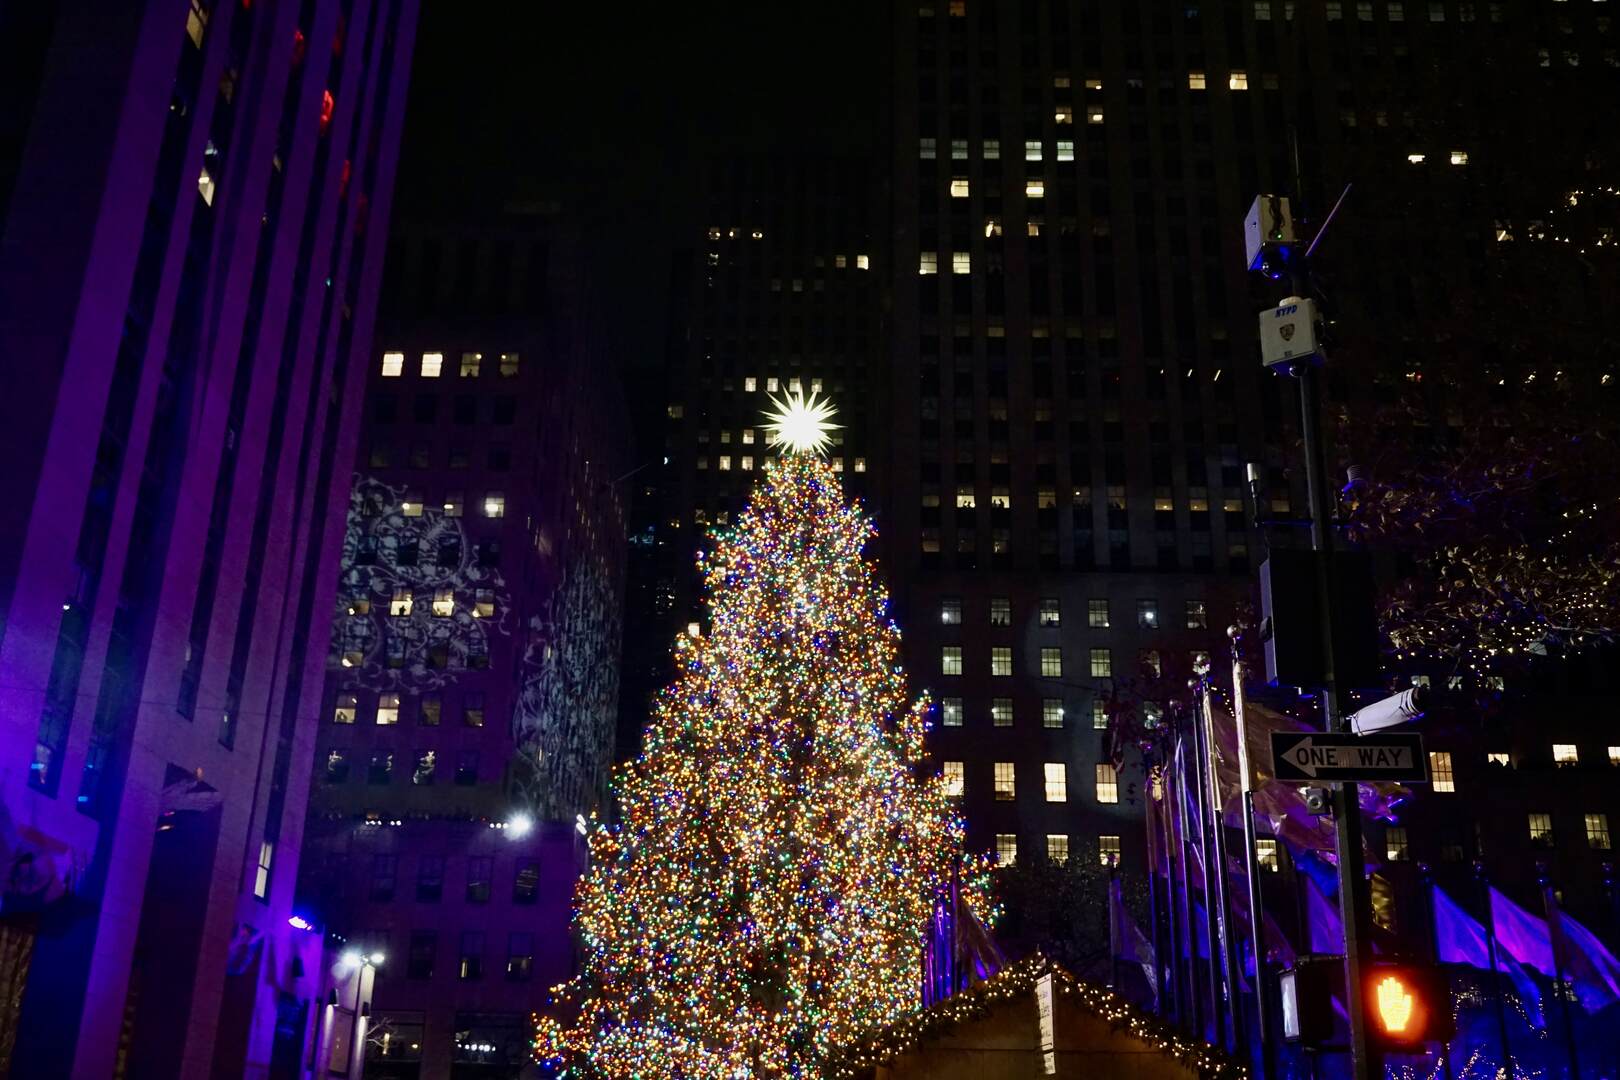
x=471 y=689
x=192 y=199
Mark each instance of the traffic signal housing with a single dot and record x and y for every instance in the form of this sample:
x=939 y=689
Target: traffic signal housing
x=1407 y=1005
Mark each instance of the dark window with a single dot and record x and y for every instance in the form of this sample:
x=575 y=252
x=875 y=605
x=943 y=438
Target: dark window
x=500 y=458
x=425 y=409
x=519 y=956
x=424 y=948
x=430 y=879
x=479 y=870
x=466 y=412
x=472 y=955
x=505 y=409
x=382 y=767
x=337 y=766
x=526 y=885
x=467 y=768
x=384 y=874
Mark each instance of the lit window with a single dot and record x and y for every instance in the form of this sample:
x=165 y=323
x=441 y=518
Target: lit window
x=1093 y=84
x=1065 y=150
x=1057 y=782
x=471 y=362
x=1094 y=114
x=472 y=709
x=401 y=602
x=196 y=26
x=495 y=505
x=432 y=364
x=863 y=262
x=927 y=149
x=1335 y=10
x=1032 y=150
x=1597 y=832
x=454 y=503
x=1565 y=754
x=1237 y=80
x=1001 y=712
x=725 y=462
x=964 y=498
x=1063 y=115
x=1195 y=80
x=1057 y=847
x=347 y=706
x=959 y=150
x=1005 y=786
x=959 y=187
x=1415 y=159
x=1265 y=853
x=261 y=876
x=955 y=780
x=950 y=711
x=751 y=383
x=393 y=365
x=1102 y=663
x=950 y=610
x=693 y=630
x=509 y=364
x=1108 y=851
x=961 y=262
x=1197 y=615
x=1395 y=844
x=484 y=603
x=1459 y=157
x=676 y=411
x=1051 y=713
x=1541 y=834
x=444 y=603
x=1006 y=848
x=748 y=433
x=1000 y=611
x=1498 y=757
x=206 y=186
x=1001 y=660
x=1097 y=614
x=1397 y=11
x=992 y=149
x=411 y=504
x=747 y=463
x=1147 y=614
x=1614 y=755
x=928 y=262
x=1051 y=663
x=950 y=660
x=1051 y=612
x=1262 y=10
x=1107 y=784
x=1099 y=714
x=1440 y=770
x=860 y=464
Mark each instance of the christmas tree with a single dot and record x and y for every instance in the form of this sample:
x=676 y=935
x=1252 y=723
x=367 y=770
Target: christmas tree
x=781 y=850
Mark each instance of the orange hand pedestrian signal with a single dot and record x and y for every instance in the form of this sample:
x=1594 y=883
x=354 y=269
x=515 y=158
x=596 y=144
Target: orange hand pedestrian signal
x=1394 y=1004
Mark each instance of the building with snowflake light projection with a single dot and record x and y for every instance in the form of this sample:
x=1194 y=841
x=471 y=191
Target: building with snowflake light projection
x=472 y=683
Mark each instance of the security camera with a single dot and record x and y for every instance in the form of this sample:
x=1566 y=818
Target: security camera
x=1394 y=710
x=1318 y=800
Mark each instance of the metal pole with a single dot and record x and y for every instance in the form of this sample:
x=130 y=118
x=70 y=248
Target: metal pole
x=1115 y=943
x=1427 y=877
x=1211 y=908
x=1190 y=922
x=1251 y=869
x=1217 y=832
x=1549 y=908
x=1153 y=913
x=1496 y=977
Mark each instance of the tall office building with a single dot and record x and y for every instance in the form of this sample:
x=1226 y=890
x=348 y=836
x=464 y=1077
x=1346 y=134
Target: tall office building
x=779 y=294
x=471 y=688
x=191 y=197
x=1077 y=387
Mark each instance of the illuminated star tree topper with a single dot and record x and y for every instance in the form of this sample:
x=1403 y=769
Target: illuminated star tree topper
x=801 y=425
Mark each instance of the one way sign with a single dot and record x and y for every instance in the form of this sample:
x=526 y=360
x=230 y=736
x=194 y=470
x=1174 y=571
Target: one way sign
x=1311 y=756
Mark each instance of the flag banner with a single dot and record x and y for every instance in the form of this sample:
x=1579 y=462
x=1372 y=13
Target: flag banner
x=1126 y=938
x=1586 y=962
x=1462 y=939
x=1522 y=934
x=1324 y=929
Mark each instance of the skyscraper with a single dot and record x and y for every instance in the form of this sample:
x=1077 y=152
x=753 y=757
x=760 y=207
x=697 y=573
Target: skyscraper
x=471 y=688
x=192 y=197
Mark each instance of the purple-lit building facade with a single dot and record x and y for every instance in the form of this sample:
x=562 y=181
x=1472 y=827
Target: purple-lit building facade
x=190 y=197
x=473 y=678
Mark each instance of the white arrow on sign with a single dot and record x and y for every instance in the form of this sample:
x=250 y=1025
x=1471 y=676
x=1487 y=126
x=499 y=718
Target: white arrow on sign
x=1301 y=753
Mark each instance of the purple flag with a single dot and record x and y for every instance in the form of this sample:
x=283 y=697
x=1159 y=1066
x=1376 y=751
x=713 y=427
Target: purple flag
x=1127 y=939
x=1587 y=964
x=1460 y=939
x=1522 y=934
x=1325 y=933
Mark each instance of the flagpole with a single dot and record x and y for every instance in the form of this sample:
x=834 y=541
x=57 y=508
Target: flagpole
x=1217 y=829
x=1190 y=922
x=1153 y=911
x=1426 y=875
x=1169 y=961
x=1114 y=928
x=1251 y=864
x=1214 y=895
x=1549 y=908
x=1496 y=975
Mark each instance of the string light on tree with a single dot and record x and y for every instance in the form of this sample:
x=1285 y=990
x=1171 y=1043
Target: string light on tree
x=782 y=845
